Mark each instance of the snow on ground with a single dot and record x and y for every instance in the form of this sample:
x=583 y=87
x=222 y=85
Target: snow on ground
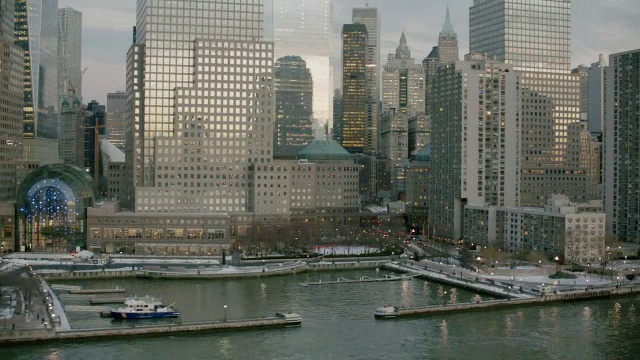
x=343 y=250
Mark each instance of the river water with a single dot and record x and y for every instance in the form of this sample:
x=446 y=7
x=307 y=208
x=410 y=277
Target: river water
x=338 y=323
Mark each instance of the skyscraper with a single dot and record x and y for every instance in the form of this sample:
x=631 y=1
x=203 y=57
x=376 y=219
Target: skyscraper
x=294 y=100
x=447 y=42
x=72 y=137
x=475 y=147
x=597 y=95
x=336 y=133
x=430 y=65
x=69 y=52
x=622 y=146
x=354 y=87
x=403 y=82
x=11 y=98
x=402 y=98
x=203 y=110
x=369 y=17
x=117 y=118
x=304 y=28
x=36 y=31
x=536 y=40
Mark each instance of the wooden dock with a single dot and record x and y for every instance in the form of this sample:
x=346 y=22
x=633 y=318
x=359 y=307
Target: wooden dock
x=362 y=279
x=84 y=308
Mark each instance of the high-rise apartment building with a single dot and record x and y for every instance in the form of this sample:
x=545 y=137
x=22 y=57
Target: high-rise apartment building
x=369 y=17
x=11 y=98
x=36 y=32
x=354 y=88
x=69 y=52
x=535 y=39
x=294 y=101
x=304 y=28
x=447 y=42
x=622 y=146
x=117 y=119
x=475 y=147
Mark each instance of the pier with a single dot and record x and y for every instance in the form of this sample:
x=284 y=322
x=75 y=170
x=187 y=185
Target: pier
x=362 y=279
x=99 y=301
x=139 y=329
x=513 y=299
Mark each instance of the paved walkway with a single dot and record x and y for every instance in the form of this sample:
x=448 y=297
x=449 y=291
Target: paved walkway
x=22 y=302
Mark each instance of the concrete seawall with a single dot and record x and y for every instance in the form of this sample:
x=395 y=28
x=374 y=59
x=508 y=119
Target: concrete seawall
x=194 y=274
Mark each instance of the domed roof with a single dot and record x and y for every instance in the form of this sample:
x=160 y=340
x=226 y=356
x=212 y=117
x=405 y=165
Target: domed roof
x=73 y=178
x=324 y=150
x=424 y=154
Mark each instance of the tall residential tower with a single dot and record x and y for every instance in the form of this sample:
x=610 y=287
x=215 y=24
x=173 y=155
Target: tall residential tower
x=622 y=146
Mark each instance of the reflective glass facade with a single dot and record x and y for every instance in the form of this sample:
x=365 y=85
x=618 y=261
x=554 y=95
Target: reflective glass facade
x=69 y=52
x=303 y=28
x=369 y=17
x=36 y=25
x=354 y=87
x=162 y=59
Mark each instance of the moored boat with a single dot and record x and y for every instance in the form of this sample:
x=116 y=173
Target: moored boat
x=386 y=312
x=144 y=308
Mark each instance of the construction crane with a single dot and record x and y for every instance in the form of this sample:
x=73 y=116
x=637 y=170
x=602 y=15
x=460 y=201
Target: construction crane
x=72 y=89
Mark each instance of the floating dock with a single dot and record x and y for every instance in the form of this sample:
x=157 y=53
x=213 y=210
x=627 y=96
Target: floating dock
x=137 y=328
x=362 y=279
x=97 y=291
x=99 y=301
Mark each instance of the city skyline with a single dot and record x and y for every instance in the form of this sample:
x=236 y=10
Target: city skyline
x=107 y=32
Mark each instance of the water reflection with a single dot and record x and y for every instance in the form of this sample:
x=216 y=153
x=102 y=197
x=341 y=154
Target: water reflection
x=53 y=355
x=444 y=333
x=224 y=345
x=587 y=314
x=263 y=290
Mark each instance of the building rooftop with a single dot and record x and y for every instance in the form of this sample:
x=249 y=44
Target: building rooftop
x=324 y=150
x=115 y=155
x=424 y=154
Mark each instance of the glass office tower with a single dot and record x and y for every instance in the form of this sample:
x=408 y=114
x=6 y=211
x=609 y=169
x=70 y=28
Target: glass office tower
x=36 y=32
x=535 y=38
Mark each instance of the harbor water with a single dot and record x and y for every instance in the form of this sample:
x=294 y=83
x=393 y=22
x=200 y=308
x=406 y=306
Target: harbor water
x=338 y=323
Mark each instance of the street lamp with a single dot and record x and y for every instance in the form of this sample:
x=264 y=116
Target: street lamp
x=557 y=259
x=225 y=313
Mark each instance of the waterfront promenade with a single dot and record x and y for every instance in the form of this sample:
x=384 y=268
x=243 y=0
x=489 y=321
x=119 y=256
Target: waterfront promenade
x=519 y=290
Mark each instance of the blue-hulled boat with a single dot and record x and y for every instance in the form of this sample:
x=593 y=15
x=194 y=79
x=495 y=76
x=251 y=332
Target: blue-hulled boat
x=144 y=308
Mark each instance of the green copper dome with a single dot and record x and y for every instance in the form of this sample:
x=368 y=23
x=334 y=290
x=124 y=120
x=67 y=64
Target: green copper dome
x=324 y=150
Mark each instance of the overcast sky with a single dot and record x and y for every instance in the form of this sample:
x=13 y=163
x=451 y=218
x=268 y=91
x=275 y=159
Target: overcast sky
x=598 y=26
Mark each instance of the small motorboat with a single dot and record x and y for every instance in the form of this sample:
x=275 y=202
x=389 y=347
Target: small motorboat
x=144 y=308
x=386 y=312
